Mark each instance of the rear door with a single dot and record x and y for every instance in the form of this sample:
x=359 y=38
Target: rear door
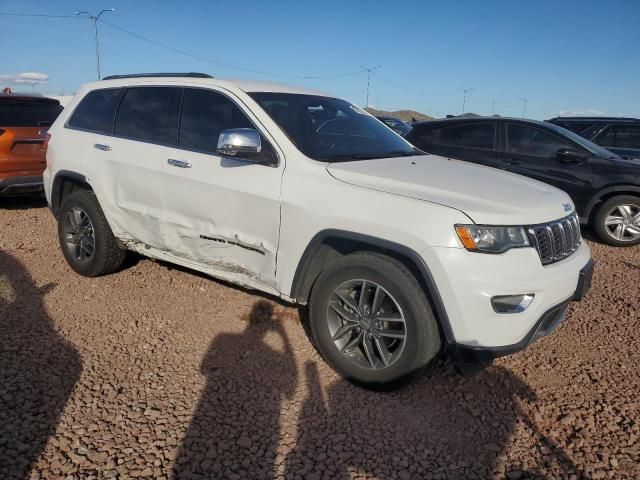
x=221 y=212
x=472 y=141
x=532 y=151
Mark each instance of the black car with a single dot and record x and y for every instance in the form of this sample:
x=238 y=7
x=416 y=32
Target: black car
x=604 y=187
x=620 y=135
x=399 y=126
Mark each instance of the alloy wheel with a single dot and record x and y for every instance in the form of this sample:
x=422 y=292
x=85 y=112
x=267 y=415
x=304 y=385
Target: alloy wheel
x=623 y=222
x=79 y=235
x=366 y=324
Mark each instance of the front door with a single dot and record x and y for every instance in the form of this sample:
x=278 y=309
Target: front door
x=532 y=151
x=221 y=213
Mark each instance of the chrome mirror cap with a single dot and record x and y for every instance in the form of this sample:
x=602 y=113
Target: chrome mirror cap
x=236 y=142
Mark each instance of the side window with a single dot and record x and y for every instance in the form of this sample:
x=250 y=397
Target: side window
x=427 y=136
x=205 y=114
x=527 y=140
x=149 y=114
x=96 y=111
x=605 y=137
x=476 y=135
x=627 y=136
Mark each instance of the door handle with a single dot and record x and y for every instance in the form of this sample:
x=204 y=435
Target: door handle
x=512 y=161
x=178 y=163
x=101 y=146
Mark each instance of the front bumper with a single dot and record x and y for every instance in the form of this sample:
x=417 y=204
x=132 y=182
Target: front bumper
x=554 y=316
x=20 y=185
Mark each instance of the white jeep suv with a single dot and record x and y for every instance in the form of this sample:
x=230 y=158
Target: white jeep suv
x=399 y=255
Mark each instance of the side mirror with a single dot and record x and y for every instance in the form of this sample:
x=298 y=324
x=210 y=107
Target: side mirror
x=569 y=155
x=240 y=142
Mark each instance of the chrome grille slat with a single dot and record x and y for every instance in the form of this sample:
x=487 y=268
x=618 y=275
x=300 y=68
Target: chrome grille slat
x=555 y=241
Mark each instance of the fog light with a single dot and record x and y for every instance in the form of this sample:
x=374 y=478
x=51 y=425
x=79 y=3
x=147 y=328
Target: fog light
x=511 y=303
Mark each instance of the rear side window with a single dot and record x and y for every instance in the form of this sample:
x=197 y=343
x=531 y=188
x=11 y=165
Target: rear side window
x=16 y=113
x=205 y=114
x=627 y=136
x=149 y=114
x=476 y=135
x=97 y=111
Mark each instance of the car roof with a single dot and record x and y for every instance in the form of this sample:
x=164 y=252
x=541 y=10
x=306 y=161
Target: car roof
x=248 y=86
x=596 y=119
x=453 y=120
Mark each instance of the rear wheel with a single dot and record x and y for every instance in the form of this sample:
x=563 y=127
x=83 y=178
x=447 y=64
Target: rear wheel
x=86 y=239
x=617 y=221
x=371 y=320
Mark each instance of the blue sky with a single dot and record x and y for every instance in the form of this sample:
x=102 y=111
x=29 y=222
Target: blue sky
x=566 y=56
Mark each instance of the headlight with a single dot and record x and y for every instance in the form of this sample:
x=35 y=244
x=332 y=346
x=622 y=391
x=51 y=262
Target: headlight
x=482 y=238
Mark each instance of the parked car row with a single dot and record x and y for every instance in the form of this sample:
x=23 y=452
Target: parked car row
x=399 y=256
x=604 y=187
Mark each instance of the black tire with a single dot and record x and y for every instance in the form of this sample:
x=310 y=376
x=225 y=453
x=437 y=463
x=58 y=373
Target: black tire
x=107 y=256
x=605 y=210
x=422 y=341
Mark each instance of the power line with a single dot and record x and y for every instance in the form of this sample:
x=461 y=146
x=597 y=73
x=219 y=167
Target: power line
x=43 y=15
x=216 y=62
x=369 y=70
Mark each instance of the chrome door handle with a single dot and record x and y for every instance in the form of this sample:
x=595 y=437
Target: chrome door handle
x=101 y=146
x=178 y=163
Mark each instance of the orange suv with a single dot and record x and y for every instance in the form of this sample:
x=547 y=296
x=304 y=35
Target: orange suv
x=24 y=121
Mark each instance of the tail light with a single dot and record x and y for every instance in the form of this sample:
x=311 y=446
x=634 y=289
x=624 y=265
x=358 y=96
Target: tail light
x=47 y=137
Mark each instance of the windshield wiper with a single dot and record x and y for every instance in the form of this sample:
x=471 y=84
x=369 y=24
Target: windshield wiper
x=371 y=156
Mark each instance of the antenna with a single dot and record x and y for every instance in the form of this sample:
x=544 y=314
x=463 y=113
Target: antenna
x=369 y=70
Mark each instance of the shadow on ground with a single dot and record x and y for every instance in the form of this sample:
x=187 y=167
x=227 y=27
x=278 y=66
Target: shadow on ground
x=439 y=426
x=38 y=370
x=23 y=202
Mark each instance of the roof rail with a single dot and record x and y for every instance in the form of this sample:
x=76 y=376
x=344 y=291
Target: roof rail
x=141 y=75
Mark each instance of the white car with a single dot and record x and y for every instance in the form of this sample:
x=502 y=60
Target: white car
x=399 y=255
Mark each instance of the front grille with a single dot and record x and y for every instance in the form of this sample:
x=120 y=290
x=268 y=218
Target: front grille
x=557 y=240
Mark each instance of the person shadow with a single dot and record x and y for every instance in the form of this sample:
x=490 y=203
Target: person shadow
x=441 y=426
x=235 y=430
x=38 y=370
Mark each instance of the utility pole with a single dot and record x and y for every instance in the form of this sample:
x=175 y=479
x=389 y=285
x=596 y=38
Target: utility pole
x=369 y=70
x=464 y=96
x=94 y=19
x=524 y=105
x=493 y=107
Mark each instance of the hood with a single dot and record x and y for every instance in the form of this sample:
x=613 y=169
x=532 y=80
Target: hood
x=486 y=195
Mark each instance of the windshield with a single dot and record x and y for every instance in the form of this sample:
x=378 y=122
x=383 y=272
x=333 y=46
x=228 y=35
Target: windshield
x=330 y=129
x=592 y=147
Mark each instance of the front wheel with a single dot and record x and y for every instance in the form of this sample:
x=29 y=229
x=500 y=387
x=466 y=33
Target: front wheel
x=617 y=221
x=371 y=320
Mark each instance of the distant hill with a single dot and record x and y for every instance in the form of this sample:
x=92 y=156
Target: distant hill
x=405 y=115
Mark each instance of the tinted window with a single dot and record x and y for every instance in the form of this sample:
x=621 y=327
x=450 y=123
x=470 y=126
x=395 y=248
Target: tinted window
x=605 y=138
x=149 y=114
x=96 y=111
x=330 y=129
x=25 y=113
x=627 y=136
x=527 y=140
x=577 y=127
x=423 y=136
x=204 y=115
x=476 y=135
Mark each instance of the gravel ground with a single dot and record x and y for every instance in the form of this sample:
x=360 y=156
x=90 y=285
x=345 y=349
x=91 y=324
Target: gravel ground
x=157 y=372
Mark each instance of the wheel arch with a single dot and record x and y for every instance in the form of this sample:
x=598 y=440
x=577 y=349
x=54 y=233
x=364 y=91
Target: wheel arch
x=605 y=194
x=64 y=183
x=328 y=246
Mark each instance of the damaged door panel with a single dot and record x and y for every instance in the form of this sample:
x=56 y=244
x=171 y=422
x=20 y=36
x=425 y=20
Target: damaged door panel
x=225 y=212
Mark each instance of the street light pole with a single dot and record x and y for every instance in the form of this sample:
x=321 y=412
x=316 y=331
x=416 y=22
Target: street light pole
x=524 y=105
x=94 y=19
x=369 y=70
x=464 y=96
